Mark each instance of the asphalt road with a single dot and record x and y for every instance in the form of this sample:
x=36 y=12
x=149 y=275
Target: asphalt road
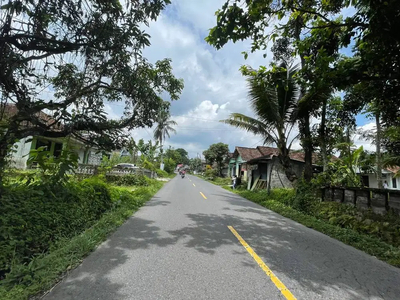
x=179 y=246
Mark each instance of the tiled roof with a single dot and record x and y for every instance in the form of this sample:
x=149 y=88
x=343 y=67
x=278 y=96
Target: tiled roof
x=248 y=153
x=299 y=156
x=10 y=110
x=265 y=151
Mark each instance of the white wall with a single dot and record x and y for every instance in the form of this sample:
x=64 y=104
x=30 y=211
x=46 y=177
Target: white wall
x=373 y=183
x=20 y=157
x=81 y=154
x=94 y=158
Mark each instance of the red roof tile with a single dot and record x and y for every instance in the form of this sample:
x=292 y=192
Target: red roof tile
x=10 y=110
x=248 y=153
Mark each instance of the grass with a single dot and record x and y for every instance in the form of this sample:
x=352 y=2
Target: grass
x=217 y=180
x=43 y=272
x=369 y=244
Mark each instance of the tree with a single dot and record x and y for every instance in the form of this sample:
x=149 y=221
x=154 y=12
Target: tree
x=148 y=151
x=184 y=156
x=273 y=97
x=217 y=153
x=87 y=52
x=163 y=128
x=195 y=164
x=335 y=120
x=365 y=96
x=317 y=32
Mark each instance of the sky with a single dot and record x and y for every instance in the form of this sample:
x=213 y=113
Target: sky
x=214 y=86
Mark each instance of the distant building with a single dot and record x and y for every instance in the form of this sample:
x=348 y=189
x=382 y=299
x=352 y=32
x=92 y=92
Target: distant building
x=261 y=167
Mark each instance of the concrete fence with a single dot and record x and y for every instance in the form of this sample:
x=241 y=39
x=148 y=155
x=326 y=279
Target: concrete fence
x=379 y=200
x=93 y=170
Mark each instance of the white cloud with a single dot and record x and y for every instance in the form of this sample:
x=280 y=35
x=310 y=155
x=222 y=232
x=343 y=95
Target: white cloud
x=214 y=87
x=359 y=141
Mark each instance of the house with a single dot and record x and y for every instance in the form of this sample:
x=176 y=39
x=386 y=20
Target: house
x=388 y=175
x=19 y=158
x=261 y=167
x=237 y=164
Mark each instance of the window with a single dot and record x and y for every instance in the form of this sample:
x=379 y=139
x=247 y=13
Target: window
x=43 y=143
x=394 y=183
x=57 y=149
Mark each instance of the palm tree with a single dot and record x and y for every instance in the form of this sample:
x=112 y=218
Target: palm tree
x=274 y=102
x=163 y=128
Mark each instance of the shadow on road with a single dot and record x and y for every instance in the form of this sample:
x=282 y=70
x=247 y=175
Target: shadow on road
x=296 y=254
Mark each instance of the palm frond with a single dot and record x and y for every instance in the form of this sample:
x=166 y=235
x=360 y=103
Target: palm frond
x=263 y=100
x=251 y=125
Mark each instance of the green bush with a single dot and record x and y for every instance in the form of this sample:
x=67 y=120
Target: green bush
x=305 y=197
x=384 y=227
x=377 y=235
x=43 y=271
x=285 y=196
x=211 y=173
x=33 y=218
x=222 y=181
x=161 y=173
x=127 y=180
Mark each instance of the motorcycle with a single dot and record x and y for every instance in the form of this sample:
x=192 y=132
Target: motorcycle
x=183 y=175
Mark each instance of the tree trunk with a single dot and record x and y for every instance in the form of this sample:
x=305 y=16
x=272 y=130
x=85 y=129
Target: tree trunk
x=285 y=160
x=3 y=162
x=308 y=148
x=378 y=151
x=287 y=167
x=161 y=157
x=322 y=136
x=305 y=120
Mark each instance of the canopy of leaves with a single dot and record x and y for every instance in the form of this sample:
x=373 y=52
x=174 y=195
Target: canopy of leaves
x=216 y=153
x=85 y=54
x=195 y=164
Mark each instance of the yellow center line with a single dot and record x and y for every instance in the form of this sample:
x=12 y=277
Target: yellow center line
x=285 y=292
x=193 y=184
x=203 y=195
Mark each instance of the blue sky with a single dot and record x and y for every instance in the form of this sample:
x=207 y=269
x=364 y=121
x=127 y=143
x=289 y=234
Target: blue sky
x=214 y=87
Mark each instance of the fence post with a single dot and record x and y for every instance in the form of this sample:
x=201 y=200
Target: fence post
x=323 y=194
x=369 y=198
x=387 y=201
x=343 y=195
x=355 y=197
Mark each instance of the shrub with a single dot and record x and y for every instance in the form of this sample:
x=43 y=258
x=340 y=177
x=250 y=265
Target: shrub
x=211 y=173
x=222 y=181
x=43 y=271
x=127 y=180
x=384 y=227
x=305 y=197
x=33 y=218
x=161 y=173
x=285 y=196
x=375 y=234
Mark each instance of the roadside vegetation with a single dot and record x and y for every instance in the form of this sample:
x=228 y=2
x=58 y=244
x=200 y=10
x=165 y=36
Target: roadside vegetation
x=48 y=228
x=302 y=81
x=374 y=234
x=377 y=235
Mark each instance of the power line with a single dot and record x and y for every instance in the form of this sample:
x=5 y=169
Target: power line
x=257 y=143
